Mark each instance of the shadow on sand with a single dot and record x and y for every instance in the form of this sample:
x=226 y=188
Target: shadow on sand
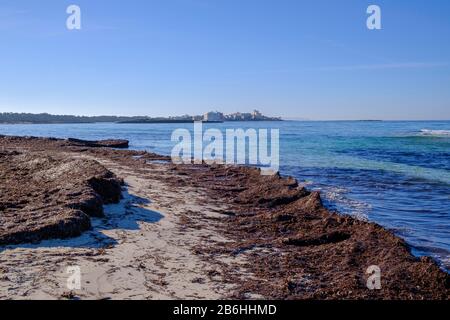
x=125 y=216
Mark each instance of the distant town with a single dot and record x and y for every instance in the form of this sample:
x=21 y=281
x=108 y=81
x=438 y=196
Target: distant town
x=212 y=117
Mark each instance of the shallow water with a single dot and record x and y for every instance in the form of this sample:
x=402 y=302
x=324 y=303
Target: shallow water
x=393 y=173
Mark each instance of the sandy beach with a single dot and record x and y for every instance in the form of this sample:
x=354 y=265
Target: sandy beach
x=140 y=227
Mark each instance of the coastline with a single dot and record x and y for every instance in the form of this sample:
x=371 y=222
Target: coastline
x=239 y=235
x=209 y=117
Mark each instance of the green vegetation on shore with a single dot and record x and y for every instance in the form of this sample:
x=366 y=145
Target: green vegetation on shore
x=41 y=118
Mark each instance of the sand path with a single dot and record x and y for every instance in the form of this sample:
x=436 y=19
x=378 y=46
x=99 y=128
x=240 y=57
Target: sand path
x=140 y=250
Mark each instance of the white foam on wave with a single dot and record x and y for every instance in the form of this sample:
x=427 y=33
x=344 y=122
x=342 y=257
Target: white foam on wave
x=437 y=133
x=336 y=197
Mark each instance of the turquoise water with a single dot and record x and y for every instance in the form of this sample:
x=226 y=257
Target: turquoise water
x=393 y=173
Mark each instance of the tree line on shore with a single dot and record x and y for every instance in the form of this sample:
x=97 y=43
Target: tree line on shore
x=10 y=117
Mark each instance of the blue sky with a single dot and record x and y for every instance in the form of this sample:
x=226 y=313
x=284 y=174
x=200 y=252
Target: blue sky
x=298 y=59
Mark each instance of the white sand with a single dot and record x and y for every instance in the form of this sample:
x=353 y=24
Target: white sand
x=148 y=256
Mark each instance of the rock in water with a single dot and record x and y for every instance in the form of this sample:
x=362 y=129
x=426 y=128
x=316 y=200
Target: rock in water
x=119 y=144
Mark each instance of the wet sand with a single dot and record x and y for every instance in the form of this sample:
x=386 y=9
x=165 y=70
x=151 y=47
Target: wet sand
x=203 y=232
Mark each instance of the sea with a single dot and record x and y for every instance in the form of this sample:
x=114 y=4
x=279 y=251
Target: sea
x=395 y=173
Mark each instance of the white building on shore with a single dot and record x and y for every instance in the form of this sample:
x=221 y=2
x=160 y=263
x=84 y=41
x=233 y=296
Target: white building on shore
x=213 y=116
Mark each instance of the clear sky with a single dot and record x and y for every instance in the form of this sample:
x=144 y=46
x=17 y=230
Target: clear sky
x=297 y=59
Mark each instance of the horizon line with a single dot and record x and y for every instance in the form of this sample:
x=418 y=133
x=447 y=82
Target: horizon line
x=288 y=118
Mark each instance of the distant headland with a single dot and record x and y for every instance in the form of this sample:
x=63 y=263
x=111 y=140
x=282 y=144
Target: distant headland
x=209 y=117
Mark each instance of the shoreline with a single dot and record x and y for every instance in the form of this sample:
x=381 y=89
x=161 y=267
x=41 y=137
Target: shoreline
x=253 y=236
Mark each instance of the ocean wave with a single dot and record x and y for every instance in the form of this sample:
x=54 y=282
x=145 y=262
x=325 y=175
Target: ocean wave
x=436 y=133
x=335 y=198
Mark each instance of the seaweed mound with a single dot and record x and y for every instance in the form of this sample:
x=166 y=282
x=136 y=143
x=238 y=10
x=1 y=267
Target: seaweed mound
x=298 y=249
x=45 y=196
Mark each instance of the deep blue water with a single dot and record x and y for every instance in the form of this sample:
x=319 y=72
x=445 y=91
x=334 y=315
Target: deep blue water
x=393 y=173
